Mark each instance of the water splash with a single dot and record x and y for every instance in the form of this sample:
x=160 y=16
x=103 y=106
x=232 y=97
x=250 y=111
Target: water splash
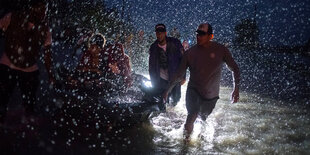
x=255 y=125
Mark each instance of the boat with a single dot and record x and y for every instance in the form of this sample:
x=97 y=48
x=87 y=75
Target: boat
x=90 y=103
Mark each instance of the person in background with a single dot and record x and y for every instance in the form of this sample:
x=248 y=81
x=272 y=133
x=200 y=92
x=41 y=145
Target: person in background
x=120 y=64
x=185 y=45
x=90 y=61
x=82 y=43
x=204 y=61
x=117 y=65
x=26 y=32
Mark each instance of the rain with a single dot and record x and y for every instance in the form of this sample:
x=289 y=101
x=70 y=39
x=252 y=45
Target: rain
x=85 y=111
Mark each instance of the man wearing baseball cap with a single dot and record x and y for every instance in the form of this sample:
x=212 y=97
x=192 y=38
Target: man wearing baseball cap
x=164 y=60
x=204 y=61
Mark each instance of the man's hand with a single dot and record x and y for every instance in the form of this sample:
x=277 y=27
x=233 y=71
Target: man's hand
x=128 y=81
x=235 y=96
x=114 y=68
x=165 y=96
x=52 y=81
x=51 y=76
x=183 y=81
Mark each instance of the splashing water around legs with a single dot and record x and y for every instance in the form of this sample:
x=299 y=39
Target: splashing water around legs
x=170 y=127
x=254 y=125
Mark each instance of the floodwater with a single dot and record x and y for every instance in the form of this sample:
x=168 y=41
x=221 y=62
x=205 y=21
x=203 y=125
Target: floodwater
x=259 y=123
x=255 y=125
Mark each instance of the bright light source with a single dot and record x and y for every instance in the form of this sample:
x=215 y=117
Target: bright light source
x=148 y=84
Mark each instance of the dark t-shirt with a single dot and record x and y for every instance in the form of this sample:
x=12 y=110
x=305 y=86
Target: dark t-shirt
x=205 y=65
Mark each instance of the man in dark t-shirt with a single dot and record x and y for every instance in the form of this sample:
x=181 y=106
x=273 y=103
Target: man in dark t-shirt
x=204 y=61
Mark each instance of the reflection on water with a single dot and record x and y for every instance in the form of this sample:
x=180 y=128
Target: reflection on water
x=253 y=126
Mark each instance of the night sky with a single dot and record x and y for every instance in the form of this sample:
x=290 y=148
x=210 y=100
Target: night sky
x=285 y=22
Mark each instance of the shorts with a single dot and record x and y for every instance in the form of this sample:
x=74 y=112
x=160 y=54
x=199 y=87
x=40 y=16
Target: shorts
x=196 y=104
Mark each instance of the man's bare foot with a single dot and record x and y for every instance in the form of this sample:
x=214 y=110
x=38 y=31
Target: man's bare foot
x=187 y=137
x=186 y=140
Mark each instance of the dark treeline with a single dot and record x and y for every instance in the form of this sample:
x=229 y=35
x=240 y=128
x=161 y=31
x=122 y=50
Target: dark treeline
x=276 y=71
x=247 y=38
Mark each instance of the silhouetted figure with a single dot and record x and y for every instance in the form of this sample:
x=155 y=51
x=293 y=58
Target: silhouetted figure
x=185 y=45
x=90 y=61
x=175 y=33
x=117 y=65
x=83 y=41
x=25 y=32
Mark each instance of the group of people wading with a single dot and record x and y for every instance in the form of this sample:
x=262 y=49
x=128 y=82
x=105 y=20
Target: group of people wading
x=27 y=32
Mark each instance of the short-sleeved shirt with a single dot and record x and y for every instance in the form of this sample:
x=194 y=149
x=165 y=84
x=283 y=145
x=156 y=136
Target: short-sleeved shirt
x=205 y=65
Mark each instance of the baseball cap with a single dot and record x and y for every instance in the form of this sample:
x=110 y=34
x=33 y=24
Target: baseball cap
x=160 y=28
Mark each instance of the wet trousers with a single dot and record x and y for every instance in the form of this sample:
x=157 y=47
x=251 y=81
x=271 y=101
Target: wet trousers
x=27 y=82
x=175 y=93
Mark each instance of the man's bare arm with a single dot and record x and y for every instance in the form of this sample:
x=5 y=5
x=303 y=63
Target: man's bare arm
x=48 y=57
x=5 y=21
x=48 y=63
x=232 y=65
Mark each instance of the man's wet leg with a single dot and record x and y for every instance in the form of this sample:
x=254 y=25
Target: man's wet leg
x=7 y=85
x=189 y=124
x=29 y=83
